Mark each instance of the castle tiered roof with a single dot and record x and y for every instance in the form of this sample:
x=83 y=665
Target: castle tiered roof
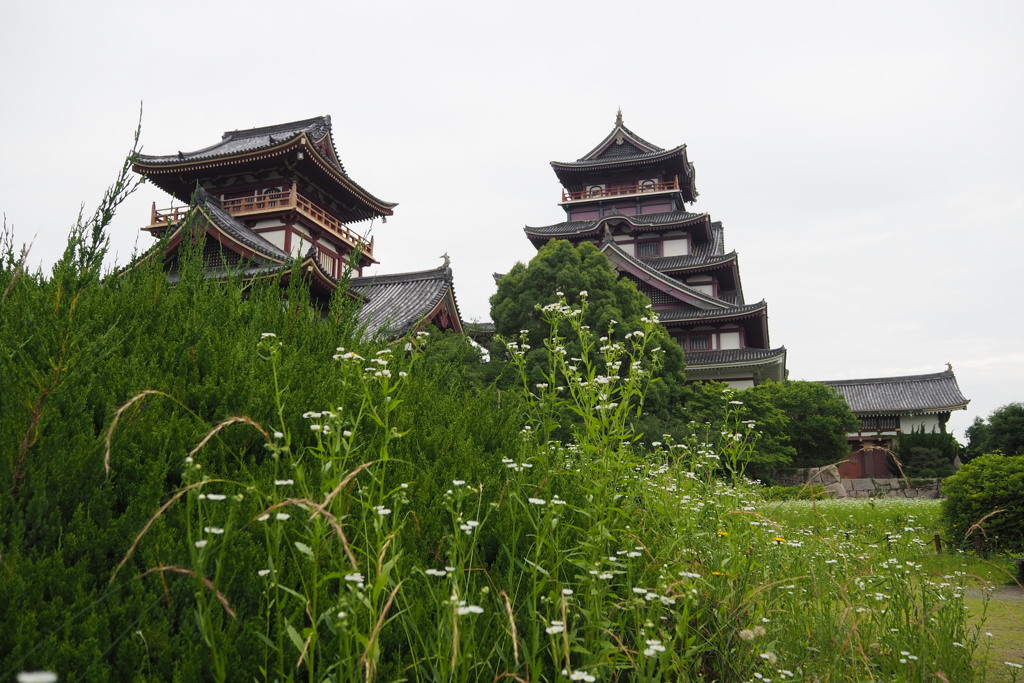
x=622 y=149
x=576 y=231
x=306 y=146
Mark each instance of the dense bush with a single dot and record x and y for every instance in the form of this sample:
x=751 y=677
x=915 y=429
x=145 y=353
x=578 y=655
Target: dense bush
x=986 y=497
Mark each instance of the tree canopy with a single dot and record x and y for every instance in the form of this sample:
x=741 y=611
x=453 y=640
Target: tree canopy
x=612 y=303
x=818 y=420
x=1002 y=432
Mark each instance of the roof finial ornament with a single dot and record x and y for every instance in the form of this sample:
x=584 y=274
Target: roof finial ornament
x=949 y=366
x=447 y=260
x=619 y=137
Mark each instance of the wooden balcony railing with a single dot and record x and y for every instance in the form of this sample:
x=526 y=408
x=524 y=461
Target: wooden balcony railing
x=271 y=202
x=620 y=190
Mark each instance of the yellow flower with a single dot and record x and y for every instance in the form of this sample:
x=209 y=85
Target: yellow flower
x=779 y=539
x=723 y=533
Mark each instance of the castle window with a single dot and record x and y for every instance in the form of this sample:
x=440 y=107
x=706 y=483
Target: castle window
x=699 y=342
x=648 y=248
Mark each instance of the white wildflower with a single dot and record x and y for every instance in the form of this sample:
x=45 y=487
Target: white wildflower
x=37 y=677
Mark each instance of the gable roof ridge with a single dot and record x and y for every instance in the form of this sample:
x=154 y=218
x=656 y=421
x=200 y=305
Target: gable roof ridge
x=441 y=272
x=666 y=279
x=295 y=126
x=619 y=135
x=945 y=374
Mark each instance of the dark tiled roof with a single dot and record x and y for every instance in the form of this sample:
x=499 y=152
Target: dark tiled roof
x=176 y=173
x=735 y=356
x=569 y=228
x=934 y=393
x=730 y=312
x=252 y=140
x=395 y=304
x=620 y=159
x=695 y=260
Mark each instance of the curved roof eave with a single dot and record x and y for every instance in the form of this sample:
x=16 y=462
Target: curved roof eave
x=208 y=158
x=669 y=282
x=582 y=228
x=770 y=357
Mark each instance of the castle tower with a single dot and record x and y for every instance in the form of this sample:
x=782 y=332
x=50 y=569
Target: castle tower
x=631 y=198
x=269 y=197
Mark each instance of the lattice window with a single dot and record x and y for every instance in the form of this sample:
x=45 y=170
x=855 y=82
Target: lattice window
x=658 y=297
x=648 y=248
x=879 y=423
x=699 y=341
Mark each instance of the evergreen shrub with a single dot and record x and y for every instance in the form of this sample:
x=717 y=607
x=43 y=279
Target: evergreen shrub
x=986 y=497
x=926 y=454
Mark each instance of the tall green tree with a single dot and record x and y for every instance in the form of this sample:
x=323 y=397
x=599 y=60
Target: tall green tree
x=614 y=306
x=1002 y=432
x=818 y=419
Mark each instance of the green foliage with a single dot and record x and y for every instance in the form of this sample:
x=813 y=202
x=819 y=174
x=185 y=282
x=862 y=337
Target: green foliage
x=986 y=497
x=1002 y=432
x=926 y=454
x=754 y=416
x=614 y=308
x=819 y=419
x=216 y=481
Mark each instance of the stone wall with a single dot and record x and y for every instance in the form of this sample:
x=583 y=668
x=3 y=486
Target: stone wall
x=837 y=487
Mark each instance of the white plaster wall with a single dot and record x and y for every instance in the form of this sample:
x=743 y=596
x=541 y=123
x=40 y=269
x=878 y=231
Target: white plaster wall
x=741 y=384
x=276 y=238
x=628 y=248
x=676 y=248
x=729 y=340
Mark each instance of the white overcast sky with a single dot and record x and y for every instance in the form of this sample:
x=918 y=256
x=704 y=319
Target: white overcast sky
x=865 y=157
